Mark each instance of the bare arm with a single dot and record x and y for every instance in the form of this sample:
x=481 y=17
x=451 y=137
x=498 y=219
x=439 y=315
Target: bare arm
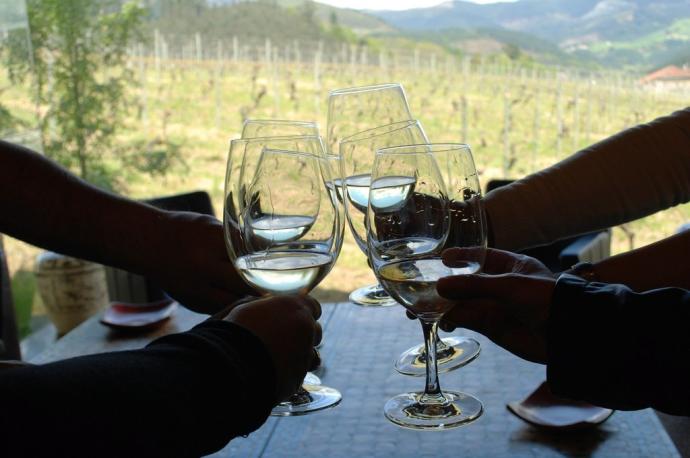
x=45 y=205
x=628 y=176
x=633 y=174
x=661 y=264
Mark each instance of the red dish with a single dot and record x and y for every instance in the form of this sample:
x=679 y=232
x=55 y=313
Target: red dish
x=124 y=315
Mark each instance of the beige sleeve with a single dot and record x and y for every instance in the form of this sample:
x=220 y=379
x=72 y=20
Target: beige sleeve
x=632 y=174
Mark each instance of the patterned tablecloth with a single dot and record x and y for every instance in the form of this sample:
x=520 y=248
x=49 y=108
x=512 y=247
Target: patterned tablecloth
x=360 y=345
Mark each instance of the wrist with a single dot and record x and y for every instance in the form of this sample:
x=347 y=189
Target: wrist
x=585 y=270
x=136 y=233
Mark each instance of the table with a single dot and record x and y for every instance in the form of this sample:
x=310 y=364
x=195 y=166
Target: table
x=359 y=346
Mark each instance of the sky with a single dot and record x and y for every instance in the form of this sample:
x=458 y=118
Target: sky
x=392 y=4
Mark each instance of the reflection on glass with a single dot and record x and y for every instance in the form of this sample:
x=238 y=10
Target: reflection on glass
x=405 y=240
x=283 y=228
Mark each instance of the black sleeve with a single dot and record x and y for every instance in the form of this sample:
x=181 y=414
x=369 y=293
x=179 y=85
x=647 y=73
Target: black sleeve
x=183 y=395
x=616 y=348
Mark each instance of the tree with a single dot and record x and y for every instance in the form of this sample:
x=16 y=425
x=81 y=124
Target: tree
x=79 y=53
x=14 y=38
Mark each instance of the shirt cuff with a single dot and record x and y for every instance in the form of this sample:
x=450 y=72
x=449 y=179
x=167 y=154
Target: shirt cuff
x=572 y=338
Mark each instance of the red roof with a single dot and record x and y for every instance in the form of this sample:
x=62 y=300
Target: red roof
x=670 y=73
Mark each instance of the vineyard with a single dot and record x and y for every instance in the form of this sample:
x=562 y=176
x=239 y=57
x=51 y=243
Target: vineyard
x=517 y=119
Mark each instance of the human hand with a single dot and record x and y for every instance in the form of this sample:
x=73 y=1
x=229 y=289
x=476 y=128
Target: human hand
x=189 y=261
x=288 y=328
x=509 y=302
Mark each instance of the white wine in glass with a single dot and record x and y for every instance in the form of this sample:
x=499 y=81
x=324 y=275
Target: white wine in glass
x=356 y=159
x=356 y=109
x=405 y=241
x=283 y=229
x=244 y=154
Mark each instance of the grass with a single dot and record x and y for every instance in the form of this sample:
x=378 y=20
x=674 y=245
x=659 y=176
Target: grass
x=23 y=290
x=517 y=121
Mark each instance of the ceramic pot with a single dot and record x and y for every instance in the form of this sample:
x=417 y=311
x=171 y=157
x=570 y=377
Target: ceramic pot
x=72 y=289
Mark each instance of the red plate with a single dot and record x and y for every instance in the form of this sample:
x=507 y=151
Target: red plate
x=123 y=315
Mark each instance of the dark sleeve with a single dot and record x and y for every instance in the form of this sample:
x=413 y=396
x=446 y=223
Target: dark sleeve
x=184 y=395
x=616 y=348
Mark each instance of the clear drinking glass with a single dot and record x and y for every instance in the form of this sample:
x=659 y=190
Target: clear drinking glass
x=455 y=351
x=259 y=128
x=356 y=160
x=243 y=159
x=357 y=109
x=283 y=228
x=412 y=215
x=255 y=128
x=357 y=153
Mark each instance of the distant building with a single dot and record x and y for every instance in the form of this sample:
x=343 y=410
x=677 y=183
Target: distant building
x=671 y=75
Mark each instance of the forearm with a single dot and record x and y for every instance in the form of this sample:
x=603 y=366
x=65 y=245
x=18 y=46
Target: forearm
x=633 y=174
x=661 y=264
x=612 y=347
x=174 y=398
x=45 y=205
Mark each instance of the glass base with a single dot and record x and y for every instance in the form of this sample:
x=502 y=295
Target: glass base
x=458 y=352
x=372 y=296
x=309 y=398
x=460 y=409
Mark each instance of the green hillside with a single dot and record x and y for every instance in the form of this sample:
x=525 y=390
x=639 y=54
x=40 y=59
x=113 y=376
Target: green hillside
x=360 y=23
x=288 y=21
x=620 y=33
x=668 y=45
x=250 y=21
x=281 y=21
x=493 y=40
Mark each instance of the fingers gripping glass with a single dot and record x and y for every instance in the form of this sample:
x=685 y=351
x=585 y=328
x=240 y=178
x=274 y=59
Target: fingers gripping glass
x=271 y=128
x=283 y=228
x=458 y=171
x=408 y=227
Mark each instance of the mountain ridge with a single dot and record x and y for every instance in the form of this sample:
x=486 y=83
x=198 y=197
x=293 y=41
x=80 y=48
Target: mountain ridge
x=575 y=25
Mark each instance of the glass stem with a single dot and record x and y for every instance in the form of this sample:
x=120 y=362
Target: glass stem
x=440 y=345
x=432 y=390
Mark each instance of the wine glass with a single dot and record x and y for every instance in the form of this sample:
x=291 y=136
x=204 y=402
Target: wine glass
x=244 y=155
x=283 y=229
x=357 y=154
x=455 y=351
x=357 y=109
x=259 y=128
x=243 y=159
x=410 y=221
x=255 y=128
